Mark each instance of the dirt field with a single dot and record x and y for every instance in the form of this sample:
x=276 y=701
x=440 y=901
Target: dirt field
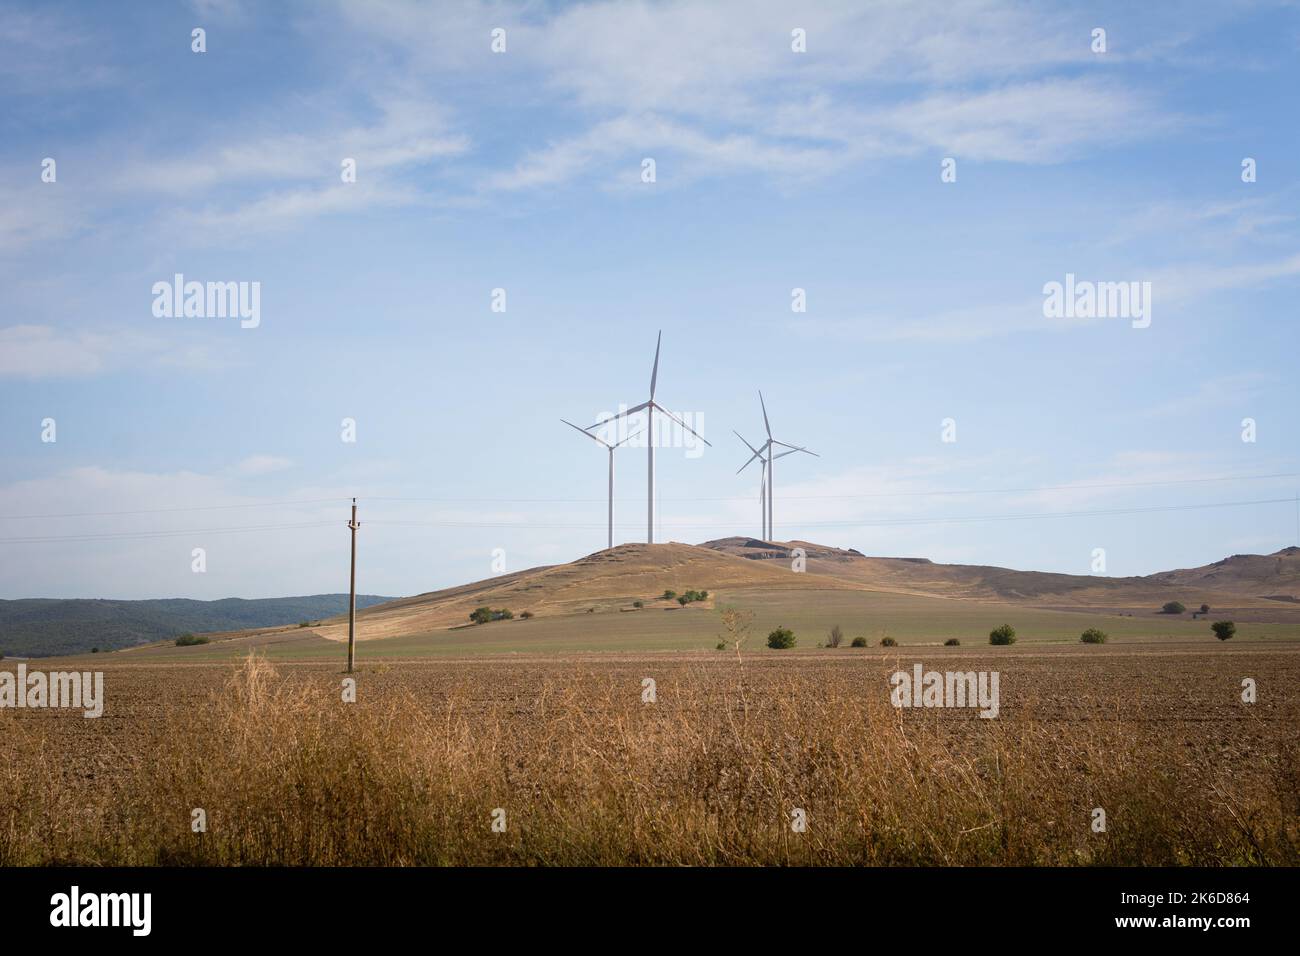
x=710 y=772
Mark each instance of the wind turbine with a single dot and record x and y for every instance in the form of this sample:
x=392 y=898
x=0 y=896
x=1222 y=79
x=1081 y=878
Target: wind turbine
x=650 y=407
x=611 y=448
x=762 y=484
x=766 y=455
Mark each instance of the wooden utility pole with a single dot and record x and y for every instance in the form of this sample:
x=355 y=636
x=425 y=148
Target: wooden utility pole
x=352 y=598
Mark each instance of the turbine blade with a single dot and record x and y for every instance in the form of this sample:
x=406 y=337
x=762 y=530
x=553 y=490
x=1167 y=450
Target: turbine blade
x=654 y=373
x=747 y=444
x=585 y=432
x=625 y=440
x=665 y=411
x=746 y=464
x=765 y=424
x=794 y=448
x=622 y=414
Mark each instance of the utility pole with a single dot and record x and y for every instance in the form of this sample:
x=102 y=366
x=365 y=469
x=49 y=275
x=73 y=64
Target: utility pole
x=352 y=598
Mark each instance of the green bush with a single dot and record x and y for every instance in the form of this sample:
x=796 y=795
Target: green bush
x=638 y=603
x=683 y=600
x=1223 y=630
x=1093 y=636
x=190 y=640
x=1006 y=634
x=722 y=645
x=1173 y=607
x=888 y=642
x=858 y=642
x=670 y=595
x=952 y=642
x=781 y=639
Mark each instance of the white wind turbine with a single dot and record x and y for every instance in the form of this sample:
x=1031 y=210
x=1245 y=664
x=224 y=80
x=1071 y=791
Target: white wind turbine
x=650 y=407
x=611 y=448
x=766 y=454
x=762 y=483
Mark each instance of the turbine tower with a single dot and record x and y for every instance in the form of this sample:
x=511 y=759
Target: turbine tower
x=766 y=454
x=611 y=448
x=650 y=407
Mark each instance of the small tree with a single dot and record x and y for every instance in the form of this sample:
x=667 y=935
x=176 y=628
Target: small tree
x=1173 y=607
x=683 y=600
x=1205 y=609
x=1093 y=636
x=1006 y=634
x=1223 y=630
x=481 y=615
x=952 y=642
x=737 y=624
x=888 y=642
x=836 y=637
x=670 y=595
x=858 y=642
x=781 y=639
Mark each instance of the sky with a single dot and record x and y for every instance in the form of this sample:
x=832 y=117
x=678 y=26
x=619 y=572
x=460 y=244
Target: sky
x=920 y=171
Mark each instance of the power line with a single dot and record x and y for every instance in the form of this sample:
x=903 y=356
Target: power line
x=888 y=522
x=122 y=535
x=159 y=511
x=451 y=500
x=874 y=494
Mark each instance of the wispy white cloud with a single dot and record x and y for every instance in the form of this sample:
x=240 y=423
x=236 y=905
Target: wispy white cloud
x=36 y=352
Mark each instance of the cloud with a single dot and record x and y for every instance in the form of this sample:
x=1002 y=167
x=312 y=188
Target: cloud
x=45 y=352
x=262 y=465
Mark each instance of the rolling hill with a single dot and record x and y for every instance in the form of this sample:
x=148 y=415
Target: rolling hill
x=591 y=604
x=43 y=627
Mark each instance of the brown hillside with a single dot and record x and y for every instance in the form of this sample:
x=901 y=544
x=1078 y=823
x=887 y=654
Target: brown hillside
x=607 y=581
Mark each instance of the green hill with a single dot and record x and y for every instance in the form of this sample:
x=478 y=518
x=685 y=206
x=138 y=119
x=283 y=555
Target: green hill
x=44 y=627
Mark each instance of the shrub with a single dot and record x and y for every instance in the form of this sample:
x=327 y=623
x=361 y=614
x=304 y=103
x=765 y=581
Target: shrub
x=1093 y=636
x=858 y=642
x=722 y=645
x=1173 y=607
x=683 y=600
x=781 y=638
x=1205 y=609
x=190 y=640
x=888 y=642
x=1223 y=629
x=670 y=595
x=480 y=615
x=526 y=615
x=1006 y=634
x=93 y=650
x=303 y=624
x=836 y=637
x=952 y=642
x=638 y=603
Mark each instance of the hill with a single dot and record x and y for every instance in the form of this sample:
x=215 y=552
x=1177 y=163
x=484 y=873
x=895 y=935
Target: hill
x=1265 y=582
x=42 y=627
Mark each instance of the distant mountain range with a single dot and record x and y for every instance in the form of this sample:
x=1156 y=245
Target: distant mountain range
x=44 y=627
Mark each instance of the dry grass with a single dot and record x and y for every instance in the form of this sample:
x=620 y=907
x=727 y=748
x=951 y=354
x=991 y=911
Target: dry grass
x=709 y=774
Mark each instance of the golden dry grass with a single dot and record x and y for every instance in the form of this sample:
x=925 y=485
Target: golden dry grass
x=708 y=774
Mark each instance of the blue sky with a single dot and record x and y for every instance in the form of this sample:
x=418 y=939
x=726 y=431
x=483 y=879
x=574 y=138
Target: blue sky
x=521 y=170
